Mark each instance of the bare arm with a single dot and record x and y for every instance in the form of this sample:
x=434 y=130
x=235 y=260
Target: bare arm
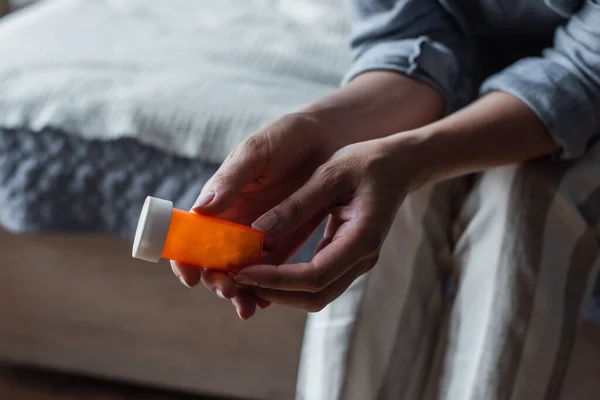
x=364 y=184
x=377 y=104
x=495 y=130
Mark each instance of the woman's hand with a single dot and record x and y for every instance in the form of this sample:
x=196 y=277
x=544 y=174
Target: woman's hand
x=259 y=174
x=274 y=163
x=361 y=187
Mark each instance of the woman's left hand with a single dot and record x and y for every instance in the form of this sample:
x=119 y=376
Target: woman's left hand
x=362 y=187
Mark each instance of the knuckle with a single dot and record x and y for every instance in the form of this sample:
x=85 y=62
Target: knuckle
x=255 y=145
x=218 y=180
x=332 y=175
x=294 y=122
x=234 y=157
x=301 y=122
x=293 y=207
x=328 y=173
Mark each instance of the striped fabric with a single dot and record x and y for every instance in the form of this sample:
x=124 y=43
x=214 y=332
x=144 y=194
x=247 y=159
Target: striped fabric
x=521 y=243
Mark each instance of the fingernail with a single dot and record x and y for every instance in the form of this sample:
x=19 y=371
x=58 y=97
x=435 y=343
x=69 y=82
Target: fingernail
x=184 y=282
x=266 y=222
x=204 y=199
x=220 y=294
x=240 y=314
x=175 y=271
x=238 y=311
x=245 y=280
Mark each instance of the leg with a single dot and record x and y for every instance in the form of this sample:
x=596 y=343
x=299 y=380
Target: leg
x=529 y=256
x=377 y=340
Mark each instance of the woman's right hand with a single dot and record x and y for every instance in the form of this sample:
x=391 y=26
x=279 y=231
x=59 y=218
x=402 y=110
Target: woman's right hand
x=258 y=175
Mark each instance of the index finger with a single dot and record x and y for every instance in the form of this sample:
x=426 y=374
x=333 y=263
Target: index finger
x=243 y=165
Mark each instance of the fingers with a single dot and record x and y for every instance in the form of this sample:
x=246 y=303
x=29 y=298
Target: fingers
x=189 y=275
x=241 y=167
x=287 y=245
x=245 y=304
x=353 y=243
x=325 y=187
x=314 y=302
x=219 y=283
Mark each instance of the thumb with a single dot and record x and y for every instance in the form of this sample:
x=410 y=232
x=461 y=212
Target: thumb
x=321 y=190
x=242 y=166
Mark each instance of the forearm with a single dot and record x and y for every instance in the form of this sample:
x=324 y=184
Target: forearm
x=497 y=129
x=375 y=105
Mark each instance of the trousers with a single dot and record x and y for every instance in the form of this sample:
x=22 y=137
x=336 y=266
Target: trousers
x=478 y=293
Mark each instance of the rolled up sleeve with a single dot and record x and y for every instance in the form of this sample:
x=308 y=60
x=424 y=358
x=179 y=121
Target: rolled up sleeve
x=417 y=38
x=563 y=86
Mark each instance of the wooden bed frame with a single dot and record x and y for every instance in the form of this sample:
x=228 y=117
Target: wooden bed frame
x=81 y=304
x=4 y=7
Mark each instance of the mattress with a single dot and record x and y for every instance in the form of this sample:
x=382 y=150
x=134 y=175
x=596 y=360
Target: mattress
x=52 y=182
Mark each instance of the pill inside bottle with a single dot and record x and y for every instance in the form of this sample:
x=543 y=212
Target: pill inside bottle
x=194 y=239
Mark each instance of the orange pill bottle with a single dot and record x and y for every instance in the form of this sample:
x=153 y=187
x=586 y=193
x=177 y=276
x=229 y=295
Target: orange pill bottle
x=194 y=239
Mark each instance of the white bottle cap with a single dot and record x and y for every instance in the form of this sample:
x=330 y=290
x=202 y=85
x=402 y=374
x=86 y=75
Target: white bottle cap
x=152 y=229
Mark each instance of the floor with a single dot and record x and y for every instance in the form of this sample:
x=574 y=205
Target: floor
x=18 y=383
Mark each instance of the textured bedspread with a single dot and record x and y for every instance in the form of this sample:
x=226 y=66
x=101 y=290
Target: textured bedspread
x=52 y=182
x=55 y=182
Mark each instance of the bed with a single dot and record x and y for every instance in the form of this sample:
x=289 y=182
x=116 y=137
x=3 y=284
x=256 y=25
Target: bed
x=75 y=170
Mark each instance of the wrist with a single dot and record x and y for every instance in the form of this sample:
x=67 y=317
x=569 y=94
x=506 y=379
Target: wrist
x=375 y=105
x=339 y=119
x=431 y=154
x=412 y=154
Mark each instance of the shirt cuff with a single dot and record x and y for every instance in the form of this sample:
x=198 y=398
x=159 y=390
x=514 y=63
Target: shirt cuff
x=555 y=95
x=422 y=59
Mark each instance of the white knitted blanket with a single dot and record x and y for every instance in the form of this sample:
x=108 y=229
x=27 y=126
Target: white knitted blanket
x=191 y=77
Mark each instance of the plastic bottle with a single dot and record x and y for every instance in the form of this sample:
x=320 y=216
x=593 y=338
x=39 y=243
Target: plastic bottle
x=194 y=239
